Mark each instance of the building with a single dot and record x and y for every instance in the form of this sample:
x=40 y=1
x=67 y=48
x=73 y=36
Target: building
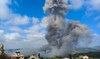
x=84 y=57
x=66 y=58
x=33 y=57
x=17 y=55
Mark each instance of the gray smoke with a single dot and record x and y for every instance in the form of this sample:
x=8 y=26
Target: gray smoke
x=62 y=36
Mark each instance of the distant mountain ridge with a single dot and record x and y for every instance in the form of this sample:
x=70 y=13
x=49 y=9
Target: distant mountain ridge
x=24 y=51
x=97 y=47
x=82 y=50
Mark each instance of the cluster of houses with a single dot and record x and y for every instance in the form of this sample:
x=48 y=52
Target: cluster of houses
x=18 y=55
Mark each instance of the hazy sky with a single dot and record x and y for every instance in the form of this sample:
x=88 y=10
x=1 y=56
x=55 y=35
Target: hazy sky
x=23 y=23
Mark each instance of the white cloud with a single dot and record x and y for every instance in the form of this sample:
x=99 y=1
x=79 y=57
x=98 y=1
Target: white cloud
x=24 y=44
x=28 y=36
x=35 y=36
x=38 y=25
x=35 y=20
x=15 y=29
x=95 y=40
x=35 y=27
x=12 y=18
x=2 y=35
x=11 y=32
x=95 y=4
x=89 y=4
x=44 y=22
x=19 y=20
x=4 y=10
x=77 y=4
x=16 y=40
x=31 y=35
x=1 y=31
x=13 y=36
x=9 y=36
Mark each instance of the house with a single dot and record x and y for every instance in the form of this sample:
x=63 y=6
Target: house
x=33 y=57
x=17 y=55
x=84 y=57
x=66 y=58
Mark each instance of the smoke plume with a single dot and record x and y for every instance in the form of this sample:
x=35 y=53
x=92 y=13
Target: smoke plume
x=63 y=35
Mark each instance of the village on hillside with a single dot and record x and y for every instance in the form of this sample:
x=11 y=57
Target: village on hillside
x=18 y=55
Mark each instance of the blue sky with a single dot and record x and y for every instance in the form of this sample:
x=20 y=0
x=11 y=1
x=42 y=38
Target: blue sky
x=23 y=21
x=35 y=8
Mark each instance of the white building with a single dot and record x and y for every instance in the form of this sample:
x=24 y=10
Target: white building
x=66 y=58
x=84 y=57
x=17 y=55
x=33 y=57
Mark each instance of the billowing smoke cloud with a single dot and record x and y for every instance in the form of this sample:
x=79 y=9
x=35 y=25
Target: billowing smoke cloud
x=62 y=36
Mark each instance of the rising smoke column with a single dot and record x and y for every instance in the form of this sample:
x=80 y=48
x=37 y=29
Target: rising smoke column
x=62 y=36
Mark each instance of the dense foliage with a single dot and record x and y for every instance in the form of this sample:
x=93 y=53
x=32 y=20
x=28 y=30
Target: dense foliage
x=4 y=56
